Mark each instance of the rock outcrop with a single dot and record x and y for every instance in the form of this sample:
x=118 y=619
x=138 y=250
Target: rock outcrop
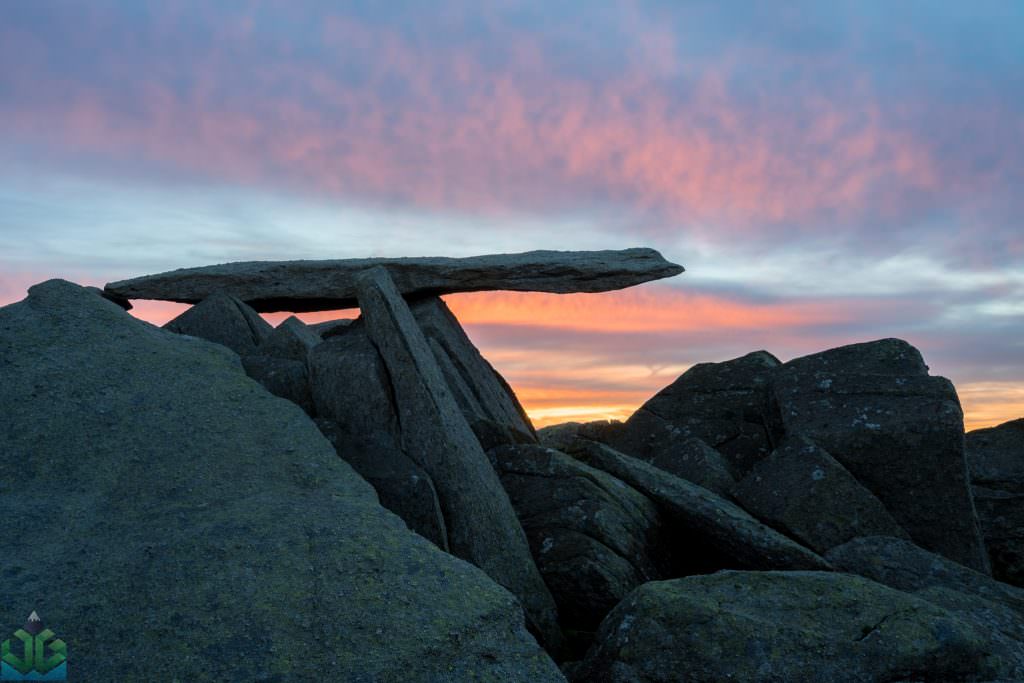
x=180 y=510
x=776 y=627
x=226 y=320
x=995 y=457
x=481 y=524
x=299 y=286
x=899 y=431
x=804 y=492
x=280 y=362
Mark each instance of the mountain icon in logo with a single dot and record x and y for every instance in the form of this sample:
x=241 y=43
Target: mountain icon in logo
x=43 y=656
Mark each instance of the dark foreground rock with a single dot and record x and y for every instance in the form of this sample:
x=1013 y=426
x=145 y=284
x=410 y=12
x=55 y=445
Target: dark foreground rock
x=328 y=285
x=723 y=404
x=481 y=524
x=709 y=531
x=779 y=627
x=225 y=320
x=595 y=539
x=996 y=460
x=876 y=410
x=195 y=518
x=804 y=492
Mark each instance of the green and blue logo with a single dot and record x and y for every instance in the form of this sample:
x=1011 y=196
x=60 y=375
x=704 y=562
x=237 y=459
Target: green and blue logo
x=43 y=656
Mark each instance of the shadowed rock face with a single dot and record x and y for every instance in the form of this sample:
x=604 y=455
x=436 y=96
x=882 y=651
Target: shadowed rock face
x=776 y=627
x=226 y=320
x=191 y=509
x=481 y=523
x=996 y=460
x=329 y=285
x=899 y=431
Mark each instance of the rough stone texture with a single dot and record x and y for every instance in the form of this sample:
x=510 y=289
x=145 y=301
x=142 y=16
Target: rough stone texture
x=561 y=436
x=225 y=320
x=352 y=392
x=486 y=400
x=329 y=285
x=779 y=627
x=995 y=457
x=874 y=408
x=481 y=523
x=723 y=404
x=804 y=492
x=593 y=537
x=994 y=608
x=179 y=510
x=292 y=339
x=705 y=522
x=330 y=328
x=282 y=377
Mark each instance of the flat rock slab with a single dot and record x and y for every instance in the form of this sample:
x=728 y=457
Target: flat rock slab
x=179 y=510
x=737 y=536
x=481 y=523
x=300 y=286
x=776 y=627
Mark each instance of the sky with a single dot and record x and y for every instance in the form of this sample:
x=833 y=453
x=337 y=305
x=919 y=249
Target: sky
x=828 y=173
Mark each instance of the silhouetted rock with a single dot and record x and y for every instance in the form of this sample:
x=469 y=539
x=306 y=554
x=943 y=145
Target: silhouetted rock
x=328 y=285
x=354 y=399
x=776 y=627
x=592 y=536
x=562 y=435
x=225 y=320
x=174 y=501
x=705 y=524
x=995 y=609
x=481 y=523
x=804 y=492
x=995 y=457
x=874 y=408
x=490 y=407
x=723 y=404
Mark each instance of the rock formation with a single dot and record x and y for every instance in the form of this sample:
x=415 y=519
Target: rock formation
x=300 y=286
x=995 y=457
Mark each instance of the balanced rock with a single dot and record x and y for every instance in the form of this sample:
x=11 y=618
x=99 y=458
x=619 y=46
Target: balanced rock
x=354 y=399
x=995 y=457
x=804 y=492
x=723 y=404
x=481 y=523
x=483 y=395
x=593 y=537
x=329 y=285
x=225 y=320
x=899 y=431
x=777 y=627
x=710 y=532
x=175 y=504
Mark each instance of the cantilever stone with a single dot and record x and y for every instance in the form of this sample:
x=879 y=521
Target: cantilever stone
x=300 y=286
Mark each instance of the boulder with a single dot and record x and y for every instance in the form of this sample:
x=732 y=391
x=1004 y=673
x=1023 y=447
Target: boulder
x=723 y=404
x=292 y=339
x=485 y=398
x=993 y=608
x=279 y=363
x=355 y=401
x=876 y=410
x=562 y=435
x=179 y=510
x=329 y=328
x=804 y=492
x=995 y=457
x=328 y=285
x=481 y=524
x=225 y=320
x=593 y=537
x=777 y=627
x=710 y=532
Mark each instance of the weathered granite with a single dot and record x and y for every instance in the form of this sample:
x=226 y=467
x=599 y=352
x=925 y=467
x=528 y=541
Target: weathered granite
x=225 y=320
x=292 y=339
x=179 y=510
x=899 y=431
x=704 y=521
x=328 y=285
x=804 y=492
x=779 y=627
x=481 y=523
x=995 y=457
